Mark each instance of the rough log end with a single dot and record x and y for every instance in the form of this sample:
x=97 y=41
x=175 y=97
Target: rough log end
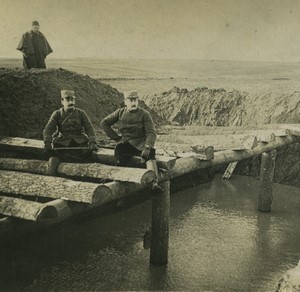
x=148 y=177
x=102 y=195
x=48 y=212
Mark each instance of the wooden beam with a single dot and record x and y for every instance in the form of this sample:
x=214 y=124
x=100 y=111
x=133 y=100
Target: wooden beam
x=51 y=187
x=25 y=209
x=229 y=170
x=103 y=155
x=160 y=225
x=190 y=164
x=265 y=196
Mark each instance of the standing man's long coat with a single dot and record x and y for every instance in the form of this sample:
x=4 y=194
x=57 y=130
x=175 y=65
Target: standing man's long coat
x=32 y=59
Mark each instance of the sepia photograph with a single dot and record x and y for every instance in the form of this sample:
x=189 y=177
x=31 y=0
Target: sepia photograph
x=150 y=145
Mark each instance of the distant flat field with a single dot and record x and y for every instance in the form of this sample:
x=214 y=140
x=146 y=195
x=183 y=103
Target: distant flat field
x=155 y=76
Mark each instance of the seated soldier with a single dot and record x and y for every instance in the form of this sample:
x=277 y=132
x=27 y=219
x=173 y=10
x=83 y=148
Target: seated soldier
x=137 y=129
x=69 y=126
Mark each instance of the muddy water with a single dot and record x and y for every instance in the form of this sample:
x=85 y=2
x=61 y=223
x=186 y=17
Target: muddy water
x=218 y=242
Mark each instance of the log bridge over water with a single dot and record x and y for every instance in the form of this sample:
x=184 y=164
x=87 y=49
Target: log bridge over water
x=37 y=193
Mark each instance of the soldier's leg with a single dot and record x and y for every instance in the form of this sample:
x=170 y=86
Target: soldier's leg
x=40 y=62
x=29 y=62
x=123 y=153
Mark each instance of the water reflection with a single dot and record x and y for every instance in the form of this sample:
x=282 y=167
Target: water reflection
x=218 y=242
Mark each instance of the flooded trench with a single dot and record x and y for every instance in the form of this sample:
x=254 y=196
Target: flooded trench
x=218 y=242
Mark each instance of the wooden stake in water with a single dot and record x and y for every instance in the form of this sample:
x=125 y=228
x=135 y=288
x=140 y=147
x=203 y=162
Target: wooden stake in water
x=265 y=196
x=160 y=225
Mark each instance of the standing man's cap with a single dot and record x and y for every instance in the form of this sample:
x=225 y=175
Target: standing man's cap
x=66 y=93
x=130 y=94
x=35 y=22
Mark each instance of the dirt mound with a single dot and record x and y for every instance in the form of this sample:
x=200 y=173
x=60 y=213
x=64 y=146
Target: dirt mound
x=28 y=97
x=218 y=107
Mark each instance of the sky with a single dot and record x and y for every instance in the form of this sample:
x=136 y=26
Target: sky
x=246 y=30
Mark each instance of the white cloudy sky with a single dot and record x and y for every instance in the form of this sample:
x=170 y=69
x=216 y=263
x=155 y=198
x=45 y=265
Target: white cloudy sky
x=258 y=30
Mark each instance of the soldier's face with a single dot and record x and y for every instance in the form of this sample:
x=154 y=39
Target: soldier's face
x=68 y=102
x=35 y=27
x=131 y=103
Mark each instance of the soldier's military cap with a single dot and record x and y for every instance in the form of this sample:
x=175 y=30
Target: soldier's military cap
x=65 y=93
x=130 y=94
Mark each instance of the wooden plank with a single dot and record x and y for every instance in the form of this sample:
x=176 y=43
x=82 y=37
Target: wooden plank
x=51 y=187
x=24 y=209
x=248 y=142
x=293 y=129
x=229 y=170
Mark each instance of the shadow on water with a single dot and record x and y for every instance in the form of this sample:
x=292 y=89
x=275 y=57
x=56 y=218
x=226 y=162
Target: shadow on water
x=218 y=242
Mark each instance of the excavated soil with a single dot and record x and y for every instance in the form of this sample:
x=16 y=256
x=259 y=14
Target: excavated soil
x=218 y=107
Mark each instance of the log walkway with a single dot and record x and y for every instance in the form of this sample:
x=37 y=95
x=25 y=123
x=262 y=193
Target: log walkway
x=32 y=190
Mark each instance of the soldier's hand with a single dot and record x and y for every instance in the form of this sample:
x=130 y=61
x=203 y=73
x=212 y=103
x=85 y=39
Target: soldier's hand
x=93 y=146
x=146 y=153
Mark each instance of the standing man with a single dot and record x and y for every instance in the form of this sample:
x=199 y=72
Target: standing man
x=34 y=47
x=137 y=129
x=69 y=126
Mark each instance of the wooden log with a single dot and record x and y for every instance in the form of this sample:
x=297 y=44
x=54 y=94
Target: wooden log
x=36 y=149
x=88 y=170
x=265 y=196
x=229 y=170
x=96 y=170
x=24 y=209
x=21 y=144
x=160 y=226
x=219 y=142
x=106 y=156
x=190 y=164
x=32 y=166
x=52 y=187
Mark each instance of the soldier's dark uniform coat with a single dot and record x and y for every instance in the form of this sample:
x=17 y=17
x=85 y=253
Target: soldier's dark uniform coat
x=36 y=48
x=69 y=126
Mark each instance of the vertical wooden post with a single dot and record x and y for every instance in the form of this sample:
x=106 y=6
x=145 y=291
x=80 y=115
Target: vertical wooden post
x=265 y=196
x=160 y=225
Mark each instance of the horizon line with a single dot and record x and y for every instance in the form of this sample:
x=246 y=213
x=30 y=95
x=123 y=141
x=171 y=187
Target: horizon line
x=153 y=59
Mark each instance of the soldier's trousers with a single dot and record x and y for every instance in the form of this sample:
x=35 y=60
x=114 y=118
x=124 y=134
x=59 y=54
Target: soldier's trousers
x=34 y=61
x=124 y=151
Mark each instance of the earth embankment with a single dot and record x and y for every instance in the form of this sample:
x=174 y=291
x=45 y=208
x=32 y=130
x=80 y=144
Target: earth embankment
x=28 y=97
x=218 y=107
